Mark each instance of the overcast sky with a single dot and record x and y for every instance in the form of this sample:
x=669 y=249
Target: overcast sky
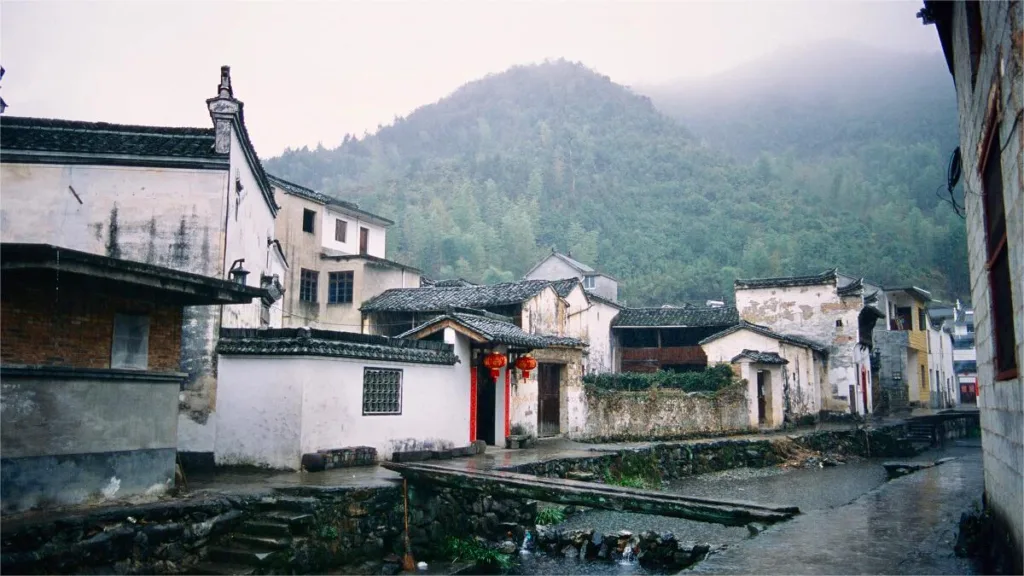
x=309 y=72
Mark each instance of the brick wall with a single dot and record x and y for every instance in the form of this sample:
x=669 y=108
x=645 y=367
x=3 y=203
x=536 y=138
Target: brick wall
x=70 y=323
x=1001 y=403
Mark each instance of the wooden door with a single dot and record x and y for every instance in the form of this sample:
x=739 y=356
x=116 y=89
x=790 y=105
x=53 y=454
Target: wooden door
x=760 y=397
x=364 y=239
x=485 y=405
x=548 y=386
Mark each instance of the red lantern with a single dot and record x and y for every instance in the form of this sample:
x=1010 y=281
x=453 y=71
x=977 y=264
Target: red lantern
x=526 y=363
x=495 y=362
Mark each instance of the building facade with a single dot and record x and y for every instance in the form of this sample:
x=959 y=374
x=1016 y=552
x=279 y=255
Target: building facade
x=984 y=47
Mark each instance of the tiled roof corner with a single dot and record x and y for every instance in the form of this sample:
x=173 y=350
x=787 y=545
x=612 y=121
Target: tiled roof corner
x=765 y=331
x=759 y=357
x=498 y=331
x=826 y=277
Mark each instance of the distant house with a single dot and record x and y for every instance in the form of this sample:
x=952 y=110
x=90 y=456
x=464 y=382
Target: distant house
x=982 y=45
x=559 y=266
x=838 y=312
x=336 y=252
x=667 y=338
x=944 y=391
x=91 y=372
x=908 y=363
x=787 y=382
x=549 y=402
x=194 y=200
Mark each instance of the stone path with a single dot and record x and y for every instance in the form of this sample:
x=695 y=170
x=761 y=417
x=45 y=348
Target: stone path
x=906 y=526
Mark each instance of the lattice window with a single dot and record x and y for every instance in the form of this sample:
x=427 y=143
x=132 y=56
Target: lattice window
x=382 y=391
x=309 y=281
x=339 y=287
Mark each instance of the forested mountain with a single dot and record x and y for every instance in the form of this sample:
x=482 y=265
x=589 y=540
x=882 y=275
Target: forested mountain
x=485 y=181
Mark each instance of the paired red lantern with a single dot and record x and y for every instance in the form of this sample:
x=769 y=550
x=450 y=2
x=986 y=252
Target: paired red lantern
x=526 y=363
x=495 y=362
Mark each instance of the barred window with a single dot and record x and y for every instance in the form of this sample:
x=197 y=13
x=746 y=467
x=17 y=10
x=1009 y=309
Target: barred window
x=308 y=285
x=339 y=287
x=382 y=391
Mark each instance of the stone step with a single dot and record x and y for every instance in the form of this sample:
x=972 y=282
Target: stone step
x=266 y=528
x=270 y=542
x=223 y=569
x=291 y=503
x=244 y=555
x=293 y=519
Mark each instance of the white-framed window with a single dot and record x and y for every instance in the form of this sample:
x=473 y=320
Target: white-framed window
x=382 y=391
x=130 y=347
x=589 y=282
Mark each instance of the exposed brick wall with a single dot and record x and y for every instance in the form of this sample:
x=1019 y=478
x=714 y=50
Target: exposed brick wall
x=1001 y=403
x=69 y=323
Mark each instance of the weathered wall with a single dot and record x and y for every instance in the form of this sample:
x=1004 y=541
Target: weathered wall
x=773 y=394
x=818 y=313
x=572 y=397
x=940 y=366
x=661 y=413
x=1001 y=402
x=277 y=408
x=606 y=287
x=599 y=337
x=70 y=438
x=892 y=352
x=303 y=251
x=544 y=314
x=553 y=268
x=800 y=383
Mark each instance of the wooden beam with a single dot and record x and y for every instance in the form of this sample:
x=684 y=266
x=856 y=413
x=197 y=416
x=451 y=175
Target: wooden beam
x=509 y=484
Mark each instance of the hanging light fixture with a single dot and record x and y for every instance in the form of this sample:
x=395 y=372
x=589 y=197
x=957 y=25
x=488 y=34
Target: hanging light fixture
x=495 y=362
x=526 y=364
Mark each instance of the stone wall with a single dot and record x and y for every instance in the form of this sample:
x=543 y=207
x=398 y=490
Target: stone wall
x=892 y=353
x=662 y=413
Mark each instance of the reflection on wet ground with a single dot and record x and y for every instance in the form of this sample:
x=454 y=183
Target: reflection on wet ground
x=852 y=521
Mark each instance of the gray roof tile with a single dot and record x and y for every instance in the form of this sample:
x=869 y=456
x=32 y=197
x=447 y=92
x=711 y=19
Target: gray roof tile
x=72 y=136
x=498 y=331
x=440 y=299
x=308 y=342
x=826 y=277
x=681 y=316
x=765 y=331
x=761 y=357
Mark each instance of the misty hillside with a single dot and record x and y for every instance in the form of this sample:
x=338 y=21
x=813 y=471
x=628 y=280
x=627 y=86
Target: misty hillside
x=485 y=181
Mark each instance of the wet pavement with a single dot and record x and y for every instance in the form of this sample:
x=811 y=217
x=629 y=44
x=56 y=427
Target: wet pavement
x=905 y=526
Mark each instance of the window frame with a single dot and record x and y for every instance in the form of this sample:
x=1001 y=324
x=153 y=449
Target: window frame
x=309 y=285
x=340 y=226
x=367 y=370
x=589 y=282
x=332 y=286
x=309 y=216
x=119 y=335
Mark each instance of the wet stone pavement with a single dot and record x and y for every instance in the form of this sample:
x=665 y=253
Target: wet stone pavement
x=852 y=521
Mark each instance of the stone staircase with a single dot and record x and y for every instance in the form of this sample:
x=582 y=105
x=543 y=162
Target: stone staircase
x=921 y=433
x=263 y=541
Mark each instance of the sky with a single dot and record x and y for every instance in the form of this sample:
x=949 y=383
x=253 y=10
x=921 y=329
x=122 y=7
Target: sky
x=311 y=71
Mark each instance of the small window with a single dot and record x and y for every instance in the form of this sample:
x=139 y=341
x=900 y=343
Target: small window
x=382 y=391
x=308 y=221
x=922 y=320
x=308 y=285
x=340 y=230
x=339 y=287
x=130 y=348
x=998 y=265
x=839 y=323
x=589 y=282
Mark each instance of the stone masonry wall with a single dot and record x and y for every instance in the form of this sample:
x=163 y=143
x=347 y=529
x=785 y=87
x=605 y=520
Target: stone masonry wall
x=998 y=81
x=662 y=413
x=892 y=353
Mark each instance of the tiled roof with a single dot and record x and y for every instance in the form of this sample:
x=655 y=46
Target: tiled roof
x=603 y=300
x=328 y=254
x=761 y=357
x=453 y=283
x=324 y=199
x=500 y=332
x=765 y=331
x=682 y=316
x=855 y=287
x=439 y=299
x=308 y=342
x=564 y=287
x=826 y=277
x=574 y=263
x=75 y=137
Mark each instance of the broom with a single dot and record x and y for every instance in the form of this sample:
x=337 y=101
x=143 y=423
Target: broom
x=408 y=563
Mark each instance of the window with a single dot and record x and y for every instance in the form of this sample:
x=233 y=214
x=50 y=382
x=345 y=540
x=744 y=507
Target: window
x=308 y=285
x=998 y=264
x=589 y=282
x=364 y=240
x=903 y=319
x=308 y=221
x=839 y=323
x=964 y=342
x=339 y=287
x=382 y=391
x=130 y=348
x=922 y=321
x=340 y=229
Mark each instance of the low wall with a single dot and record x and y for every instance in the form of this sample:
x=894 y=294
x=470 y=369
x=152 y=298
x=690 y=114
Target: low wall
x=662 y=413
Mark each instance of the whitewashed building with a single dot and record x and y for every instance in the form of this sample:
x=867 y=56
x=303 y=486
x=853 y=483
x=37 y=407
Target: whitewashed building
x=190 y=199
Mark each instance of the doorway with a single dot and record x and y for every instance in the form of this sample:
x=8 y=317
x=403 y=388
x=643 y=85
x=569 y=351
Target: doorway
x=762 y=383
x=485 y=405
x=548 y=399
x=364 y=240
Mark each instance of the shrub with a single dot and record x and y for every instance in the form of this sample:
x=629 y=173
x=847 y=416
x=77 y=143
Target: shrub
x=550 y=516
x=712 y=379
x=471 y=550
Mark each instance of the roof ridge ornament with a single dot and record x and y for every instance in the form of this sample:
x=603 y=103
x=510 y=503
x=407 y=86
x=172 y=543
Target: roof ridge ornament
x=224 y=88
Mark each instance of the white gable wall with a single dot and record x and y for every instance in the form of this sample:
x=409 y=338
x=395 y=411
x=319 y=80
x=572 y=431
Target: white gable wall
x=376 y=243
x=553 y=268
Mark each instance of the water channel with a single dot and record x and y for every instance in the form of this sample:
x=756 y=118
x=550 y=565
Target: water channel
x=823 y=494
